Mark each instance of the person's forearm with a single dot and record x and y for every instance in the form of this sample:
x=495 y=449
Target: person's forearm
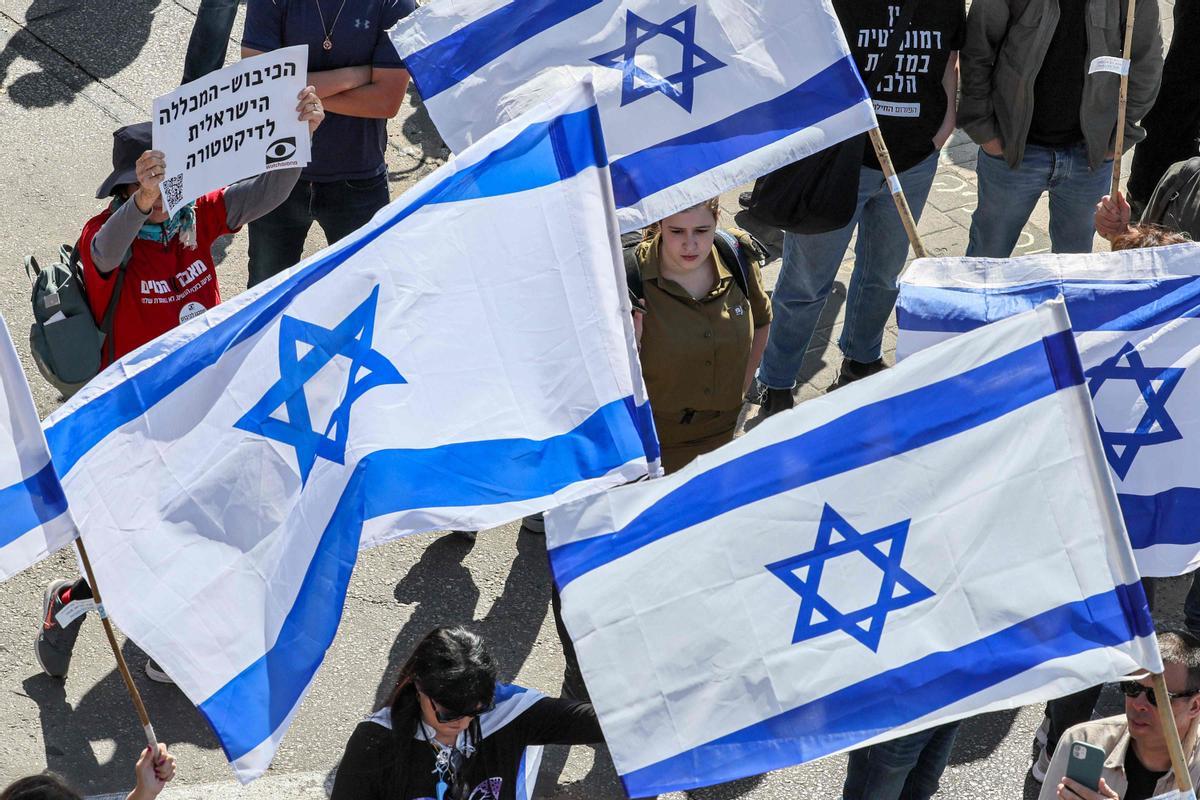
x=757 y=347
x=950 y=84
x=376 y=100
x=332 y=82
x=112 y=241
x=249 y=199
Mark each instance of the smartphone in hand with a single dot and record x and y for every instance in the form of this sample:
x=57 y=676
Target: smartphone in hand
x=1084 y=765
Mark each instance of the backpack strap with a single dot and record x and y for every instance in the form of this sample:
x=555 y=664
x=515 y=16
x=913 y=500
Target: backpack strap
x=633 y=276
x=733 y=254
x=110 y=313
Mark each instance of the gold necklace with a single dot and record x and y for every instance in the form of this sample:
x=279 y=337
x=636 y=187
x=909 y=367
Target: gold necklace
x=328 y=44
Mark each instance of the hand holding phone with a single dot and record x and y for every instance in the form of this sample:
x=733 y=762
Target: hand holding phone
x=1084 y=764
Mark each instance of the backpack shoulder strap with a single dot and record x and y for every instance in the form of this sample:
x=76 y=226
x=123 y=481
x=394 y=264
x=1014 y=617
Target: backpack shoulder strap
x=733 y=254
x=633 y=275
x=110 y=313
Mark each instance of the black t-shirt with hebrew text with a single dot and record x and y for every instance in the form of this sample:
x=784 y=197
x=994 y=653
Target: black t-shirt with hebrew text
x=910 y=100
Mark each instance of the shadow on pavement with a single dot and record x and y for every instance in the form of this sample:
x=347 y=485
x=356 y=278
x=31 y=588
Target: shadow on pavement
x=445 y=594
x=105 y=717
x=420 y=130
x=92 y=35
x=980 y=737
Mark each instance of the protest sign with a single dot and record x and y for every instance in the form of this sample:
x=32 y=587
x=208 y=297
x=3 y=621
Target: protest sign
x=232 y=124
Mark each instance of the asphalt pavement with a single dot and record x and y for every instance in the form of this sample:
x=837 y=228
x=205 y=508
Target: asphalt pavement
x=70 y=72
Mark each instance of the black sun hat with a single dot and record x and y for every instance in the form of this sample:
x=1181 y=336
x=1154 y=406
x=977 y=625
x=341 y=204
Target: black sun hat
x=129 y=143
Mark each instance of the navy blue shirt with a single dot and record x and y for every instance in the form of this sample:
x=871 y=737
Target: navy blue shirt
x=343 y=147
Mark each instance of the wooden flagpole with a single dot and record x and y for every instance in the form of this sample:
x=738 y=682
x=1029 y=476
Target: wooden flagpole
x=122 y=667
x=1124 y=100
x=1183 y=778
x=889 y=172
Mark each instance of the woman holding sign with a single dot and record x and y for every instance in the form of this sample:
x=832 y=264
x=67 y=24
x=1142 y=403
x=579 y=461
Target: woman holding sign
x=168 y=275
x=156 y=271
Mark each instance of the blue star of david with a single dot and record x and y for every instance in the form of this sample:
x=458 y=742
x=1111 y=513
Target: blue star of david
x=637 y=82
x=1144 y=434
x=898 y=589
x=351 y=339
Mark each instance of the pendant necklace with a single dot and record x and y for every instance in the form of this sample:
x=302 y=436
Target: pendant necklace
x=328 y=43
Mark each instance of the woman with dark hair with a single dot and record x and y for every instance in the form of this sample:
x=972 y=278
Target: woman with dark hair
x=450 y=732
x=152 y=773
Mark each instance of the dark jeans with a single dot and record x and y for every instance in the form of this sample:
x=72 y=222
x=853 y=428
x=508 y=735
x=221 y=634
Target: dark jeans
x=573 y=685
x=1191 y=605
x=1067 y=712
x=907 y=768
x=1173 y=124
x=339 y=207
x=210 y=38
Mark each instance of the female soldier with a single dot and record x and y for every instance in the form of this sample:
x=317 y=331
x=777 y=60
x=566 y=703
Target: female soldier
x=701 y=335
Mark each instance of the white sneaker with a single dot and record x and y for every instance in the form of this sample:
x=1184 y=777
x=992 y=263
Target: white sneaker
x=1040 y=765
x=155 y=673
x=1042 y=732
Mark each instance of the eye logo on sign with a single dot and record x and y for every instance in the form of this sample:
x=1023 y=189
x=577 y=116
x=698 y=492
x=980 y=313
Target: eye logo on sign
x=281 y=150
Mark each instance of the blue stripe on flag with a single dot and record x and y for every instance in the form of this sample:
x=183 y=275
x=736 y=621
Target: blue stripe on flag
x=252 y=706
x=1093 y=305
x=829 y=92
x=445 y=63
x=541 y=155
x=1170 y=517
x=30 y=503
x=864 y=436
x=904 y=694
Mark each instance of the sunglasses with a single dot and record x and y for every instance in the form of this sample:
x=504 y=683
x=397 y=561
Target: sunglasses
x=1133 y=690
x=444 y=715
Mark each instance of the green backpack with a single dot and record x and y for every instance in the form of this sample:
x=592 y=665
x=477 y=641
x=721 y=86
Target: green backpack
x=65 y=341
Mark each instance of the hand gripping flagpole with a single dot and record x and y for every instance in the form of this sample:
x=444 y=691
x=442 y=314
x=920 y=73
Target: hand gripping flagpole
x=1183 y=778
x=1119 y=144
x=889 y=171
x=134 y=694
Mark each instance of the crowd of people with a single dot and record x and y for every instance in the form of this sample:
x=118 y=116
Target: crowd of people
x=1017 y=76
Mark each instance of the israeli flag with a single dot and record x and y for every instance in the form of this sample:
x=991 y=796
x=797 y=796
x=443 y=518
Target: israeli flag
x=1136 y=315
x=464 y=359
x=939 y=541
x=696 y=97
x=33 y=509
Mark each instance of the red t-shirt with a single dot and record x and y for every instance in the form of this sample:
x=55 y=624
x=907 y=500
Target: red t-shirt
x=164 y=285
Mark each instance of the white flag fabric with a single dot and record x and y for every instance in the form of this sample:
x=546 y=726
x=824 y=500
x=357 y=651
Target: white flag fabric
x=464 y=359
x=935 y=542
x=33 y=509
x=1136 y=316
x=695 y=98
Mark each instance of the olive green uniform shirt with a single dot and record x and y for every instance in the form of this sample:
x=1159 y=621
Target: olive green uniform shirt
x=695 y=351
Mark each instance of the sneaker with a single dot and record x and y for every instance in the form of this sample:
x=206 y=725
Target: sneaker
x=55 y=642
x=155 y=673
x=1040 y=765
x=776 y=400
x=535 y=523
x=1042 y=732
x=852 y=371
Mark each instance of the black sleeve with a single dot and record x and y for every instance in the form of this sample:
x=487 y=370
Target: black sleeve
x=361 y=775
x=559 y=721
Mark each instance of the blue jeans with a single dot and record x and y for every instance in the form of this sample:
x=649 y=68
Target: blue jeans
x=810 y=265
x=339 y=207
x=1007 y=197
x=209 y=39
x=907 y=768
